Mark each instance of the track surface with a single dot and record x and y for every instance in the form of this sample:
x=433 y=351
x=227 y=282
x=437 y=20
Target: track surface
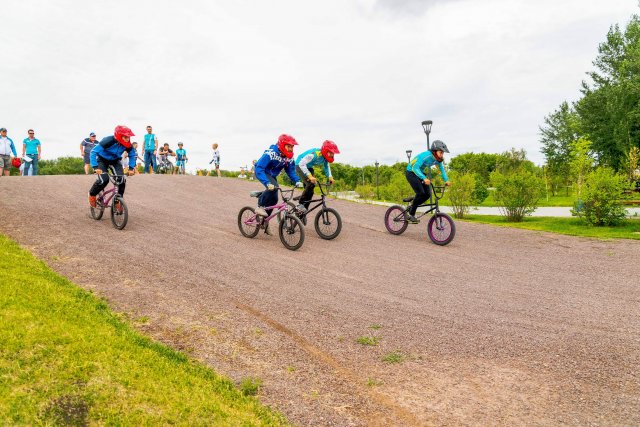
x=503 y=326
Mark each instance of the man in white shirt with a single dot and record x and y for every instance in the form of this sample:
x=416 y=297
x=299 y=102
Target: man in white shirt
x=6 y=148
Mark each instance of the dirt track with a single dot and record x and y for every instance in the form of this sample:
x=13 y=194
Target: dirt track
x=503 y=326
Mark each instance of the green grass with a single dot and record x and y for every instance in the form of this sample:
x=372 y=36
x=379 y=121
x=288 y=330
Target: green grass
x=65 y=358
x=394 y=357
x=368 y=340
x=571 y=226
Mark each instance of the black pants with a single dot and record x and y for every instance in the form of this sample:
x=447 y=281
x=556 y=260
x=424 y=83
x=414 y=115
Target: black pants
x=307 y=193
x=269 y=197
x=103 y=178
x=423 y=191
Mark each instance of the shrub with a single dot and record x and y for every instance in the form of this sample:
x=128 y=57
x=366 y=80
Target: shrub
x=601 y=193
x=61 y=166
x=480 y=192
x=517 y=193
x=460 y=194
x=366 y=192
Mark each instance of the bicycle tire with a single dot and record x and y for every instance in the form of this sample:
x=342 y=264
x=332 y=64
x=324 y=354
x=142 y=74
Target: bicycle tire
x=291 y=226
x=98 y=211
x=324 y=215
x=247 y=230
x=441 y=229
x=119 y=217
x=393 y=223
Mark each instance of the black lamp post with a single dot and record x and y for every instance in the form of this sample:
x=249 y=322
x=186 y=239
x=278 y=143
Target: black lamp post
x=426 y=126
x=409 y=155
x=377 y=189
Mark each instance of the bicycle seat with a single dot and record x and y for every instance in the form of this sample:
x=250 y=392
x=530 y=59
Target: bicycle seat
x=297 y=197
x=256 y=193
x=408 y=199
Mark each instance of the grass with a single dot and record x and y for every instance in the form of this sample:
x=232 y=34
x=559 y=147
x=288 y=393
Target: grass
x=630 y=229
x=394 y=357
x=368 y=340
x=66 y=358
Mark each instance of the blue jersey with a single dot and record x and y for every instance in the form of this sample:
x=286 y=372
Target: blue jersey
x=181 y=155
x=150 y=142
x=110 y=149
x=312 y=158
x=424 y=161
x=272 y=162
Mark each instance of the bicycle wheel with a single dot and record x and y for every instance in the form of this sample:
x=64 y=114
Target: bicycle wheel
x=119 y=212
x=328 y=223
x=98 y=211
x=441 y=229
x=248 y=228
x=291 y=232
x=395 y=220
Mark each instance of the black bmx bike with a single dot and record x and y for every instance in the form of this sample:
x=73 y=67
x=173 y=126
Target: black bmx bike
x=327 y=222
x=440 y=227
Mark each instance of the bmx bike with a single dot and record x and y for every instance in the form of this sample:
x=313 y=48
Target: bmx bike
x=109 y=198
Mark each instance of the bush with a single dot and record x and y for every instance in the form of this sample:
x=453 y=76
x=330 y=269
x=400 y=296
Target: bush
x=517 y=193
x=460 y=194
x=480 y=192
x=61 y=166
x=366 y=192
x=601 y=193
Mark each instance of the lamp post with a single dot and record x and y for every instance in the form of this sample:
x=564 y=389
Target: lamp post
x=426 y=126
x=409 y=155
x=377 y=189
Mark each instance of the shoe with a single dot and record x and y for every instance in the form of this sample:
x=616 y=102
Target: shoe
x=260 y=211
x=267 y=231
x=92 y=201
x=412 y=219
x=301 y=209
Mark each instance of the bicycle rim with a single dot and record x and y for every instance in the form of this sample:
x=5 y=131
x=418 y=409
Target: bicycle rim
x=246 y=222
x=119 y=213
x=441 y=229
x=328 y=223
x=395 y=220
x=291 y=232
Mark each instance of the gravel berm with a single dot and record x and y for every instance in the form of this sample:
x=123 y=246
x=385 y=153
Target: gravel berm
x=501 y=327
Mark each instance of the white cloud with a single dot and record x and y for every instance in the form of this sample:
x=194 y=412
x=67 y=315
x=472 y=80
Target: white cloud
x=363 y=73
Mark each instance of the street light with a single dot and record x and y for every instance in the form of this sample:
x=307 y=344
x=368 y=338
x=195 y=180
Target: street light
x=426 y=126
x=377 y=189
x=409 y=155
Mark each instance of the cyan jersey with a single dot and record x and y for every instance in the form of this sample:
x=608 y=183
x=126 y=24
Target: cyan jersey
x=312 y=158
x=424 y=161
x=150 y=142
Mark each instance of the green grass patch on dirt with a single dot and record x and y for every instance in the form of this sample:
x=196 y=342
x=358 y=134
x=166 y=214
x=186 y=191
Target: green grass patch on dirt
x=66 y=358
x=630 y=229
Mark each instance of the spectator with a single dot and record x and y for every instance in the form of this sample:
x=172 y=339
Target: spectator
x=181 y=159
x=216 y=158
x=150 y=149
x=31 y=147
x=242 y=175
x=6 y=148
x=253 y=170
x=86 y=146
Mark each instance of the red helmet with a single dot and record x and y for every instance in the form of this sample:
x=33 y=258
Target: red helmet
x=329 y=147
x=16 y=162
x=286 y=140
x=121 y=131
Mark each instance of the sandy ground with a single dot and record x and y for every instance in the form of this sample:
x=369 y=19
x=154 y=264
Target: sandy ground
x=501 y=327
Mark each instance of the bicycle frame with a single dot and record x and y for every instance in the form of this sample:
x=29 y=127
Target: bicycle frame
x=321 y=201
x=108 y=194
x=277 y=208
x=434 y=206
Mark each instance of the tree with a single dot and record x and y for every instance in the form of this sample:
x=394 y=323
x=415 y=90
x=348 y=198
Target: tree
x=517 y=192
x=601 y=198
x=558 y=134
x=610 y=107
x=581 y=162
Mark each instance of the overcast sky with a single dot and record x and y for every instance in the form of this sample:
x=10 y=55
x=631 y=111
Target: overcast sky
x=363 y=73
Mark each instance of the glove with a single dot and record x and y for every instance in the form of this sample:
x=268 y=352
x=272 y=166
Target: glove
x=299 y=184
x=270 y=187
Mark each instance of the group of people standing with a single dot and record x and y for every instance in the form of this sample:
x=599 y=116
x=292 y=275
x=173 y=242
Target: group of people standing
x=28 y=162
x=152 y=155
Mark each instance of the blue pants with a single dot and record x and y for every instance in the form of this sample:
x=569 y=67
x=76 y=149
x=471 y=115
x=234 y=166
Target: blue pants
x=149 y=160
x=31 y=168
x=269 y=197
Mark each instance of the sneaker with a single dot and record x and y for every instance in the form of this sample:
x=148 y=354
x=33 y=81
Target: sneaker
x=92 y=201
x=301 y=209
x=260 y=211
x=412 y=219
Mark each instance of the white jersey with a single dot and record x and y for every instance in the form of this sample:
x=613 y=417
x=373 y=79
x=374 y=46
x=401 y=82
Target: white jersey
x=216 y=157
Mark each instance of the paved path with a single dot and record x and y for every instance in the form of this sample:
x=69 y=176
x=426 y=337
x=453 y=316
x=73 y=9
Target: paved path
x=501 y=327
